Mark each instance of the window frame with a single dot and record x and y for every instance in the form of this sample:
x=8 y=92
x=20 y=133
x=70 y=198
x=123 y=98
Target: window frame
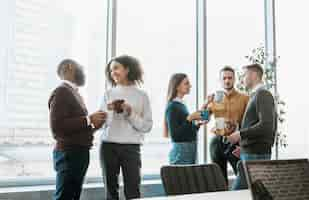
x=201 y=77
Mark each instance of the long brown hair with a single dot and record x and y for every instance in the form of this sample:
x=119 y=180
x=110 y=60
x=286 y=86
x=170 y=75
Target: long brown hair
x=174 y=82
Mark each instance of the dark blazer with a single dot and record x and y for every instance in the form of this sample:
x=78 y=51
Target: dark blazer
x=259 y=124
x=68 y=120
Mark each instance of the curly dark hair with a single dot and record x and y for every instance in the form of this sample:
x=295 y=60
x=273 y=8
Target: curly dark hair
x=134 y=67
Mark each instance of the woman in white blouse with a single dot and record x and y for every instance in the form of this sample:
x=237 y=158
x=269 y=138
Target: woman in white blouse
x=129 y=118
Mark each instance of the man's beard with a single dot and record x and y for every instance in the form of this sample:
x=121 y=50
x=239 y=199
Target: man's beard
x=80 y=77
x=248 y=85
x=229 y=88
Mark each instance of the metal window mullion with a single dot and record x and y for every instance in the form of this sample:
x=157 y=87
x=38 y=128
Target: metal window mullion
x=111 y=31
x=201 y=73
x=270 y=48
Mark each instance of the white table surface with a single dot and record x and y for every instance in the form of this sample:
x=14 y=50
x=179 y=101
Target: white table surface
x=228 y=195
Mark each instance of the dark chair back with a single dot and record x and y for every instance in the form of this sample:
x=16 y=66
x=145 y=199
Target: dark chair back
x=279 y=179
x=188 y=179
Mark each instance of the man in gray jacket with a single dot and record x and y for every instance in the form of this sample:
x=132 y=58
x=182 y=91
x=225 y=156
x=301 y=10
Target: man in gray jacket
x=258 y=128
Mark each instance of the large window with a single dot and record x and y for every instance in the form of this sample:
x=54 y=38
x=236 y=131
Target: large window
x=35 y=36
x=162 y=35
x=234 y=28
x=292 y=68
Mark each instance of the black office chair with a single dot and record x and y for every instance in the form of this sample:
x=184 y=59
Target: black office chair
x=188 y=179
x=278 y=179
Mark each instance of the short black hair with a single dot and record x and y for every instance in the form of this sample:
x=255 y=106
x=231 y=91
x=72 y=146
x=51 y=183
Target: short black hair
x=256 y=68
x=135 y=74
x=227 y=68
x=64 y=64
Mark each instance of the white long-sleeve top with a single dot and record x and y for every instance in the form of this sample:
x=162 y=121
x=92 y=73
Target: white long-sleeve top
x=123 y=129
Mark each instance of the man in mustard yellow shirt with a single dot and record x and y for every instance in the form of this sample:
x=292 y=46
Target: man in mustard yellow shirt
x=232 y=109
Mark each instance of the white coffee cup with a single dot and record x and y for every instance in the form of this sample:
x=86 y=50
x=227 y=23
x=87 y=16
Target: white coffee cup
x=218 y=98
x=220 y=123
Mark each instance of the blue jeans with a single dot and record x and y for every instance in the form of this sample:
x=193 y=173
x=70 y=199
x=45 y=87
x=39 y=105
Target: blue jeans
x=183 y=153
x=71 y=167
x=240 y=182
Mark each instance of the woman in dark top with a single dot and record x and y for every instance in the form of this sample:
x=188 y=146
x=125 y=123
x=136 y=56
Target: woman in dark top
x=179 y=124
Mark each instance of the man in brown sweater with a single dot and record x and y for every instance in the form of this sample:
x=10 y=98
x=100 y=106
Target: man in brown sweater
x=72 y=129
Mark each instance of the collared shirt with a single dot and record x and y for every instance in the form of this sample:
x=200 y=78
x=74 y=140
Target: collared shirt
x=71 y=84
x=257 y=87
x=177 y=99
x=232 y=108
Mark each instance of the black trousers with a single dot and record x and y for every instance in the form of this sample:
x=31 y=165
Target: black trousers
x=71 y=167
x=114 y=156
x=220 y=155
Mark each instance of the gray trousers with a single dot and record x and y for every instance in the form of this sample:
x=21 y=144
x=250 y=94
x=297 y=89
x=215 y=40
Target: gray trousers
x=114 y=156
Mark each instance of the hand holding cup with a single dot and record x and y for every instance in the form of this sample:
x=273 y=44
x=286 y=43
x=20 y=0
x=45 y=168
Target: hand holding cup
x=116 y=105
